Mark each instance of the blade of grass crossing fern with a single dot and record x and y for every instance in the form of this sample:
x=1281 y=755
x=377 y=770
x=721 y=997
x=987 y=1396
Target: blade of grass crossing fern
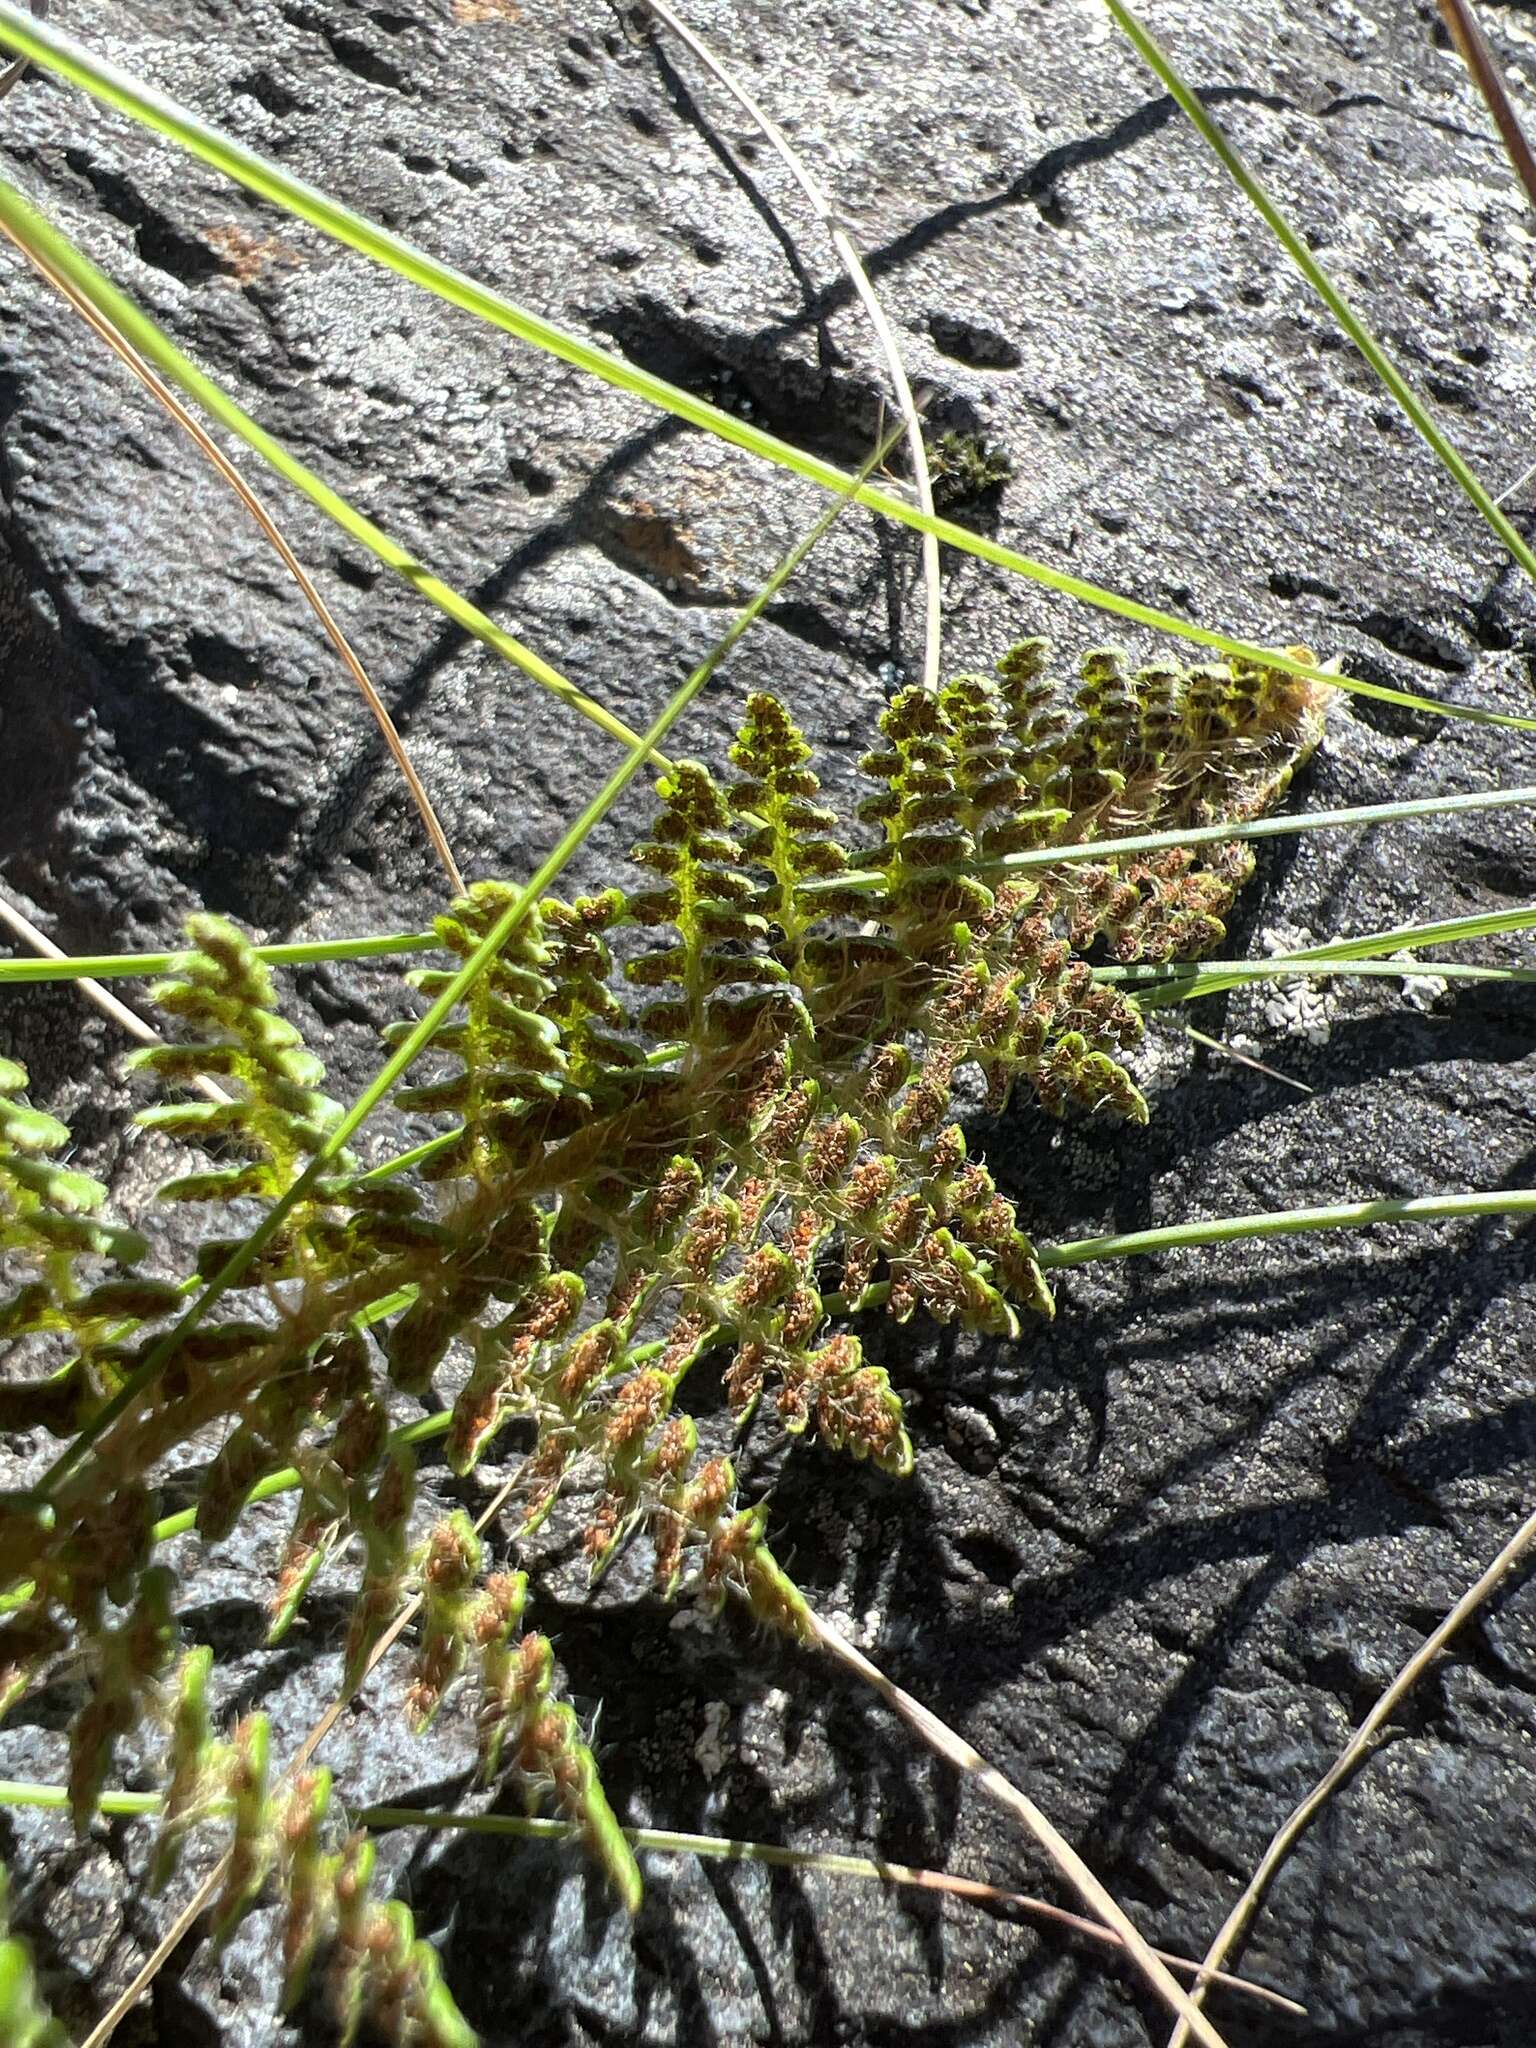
x=669 y=1842
x=1205 y=835
x=109 y=966
x=38 y=235
x=1381 y=942
x=106 y=82
x=105 y=966
x=1301 y=967
x=1235 y=971
x=1232 y=1229
x=341 y=1133
x=128 y=1020
x=1270 y=828
x=1291 y=1223
x=1400 y=938
x=1418 y=412
x=672 y=1842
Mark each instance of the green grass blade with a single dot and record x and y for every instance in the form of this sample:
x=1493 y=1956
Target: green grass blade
x=59 y=53
x=657 y=1842
x=1401 y=938
x=383 y=945
x=870 y=879
x=1301 y=967
x=338 y=1138
x=1445 y=931
x=1269 y=828
x=302 y=953
x=32 y=229
x=1417 y=411
x=1291 y=1222
x=126 y=1805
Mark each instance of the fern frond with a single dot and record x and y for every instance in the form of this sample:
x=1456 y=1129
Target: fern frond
x=764 y=1142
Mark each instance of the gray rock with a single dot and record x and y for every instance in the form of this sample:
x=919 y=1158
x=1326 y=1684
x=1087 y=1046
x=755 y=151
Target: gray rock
x=1159 y=1557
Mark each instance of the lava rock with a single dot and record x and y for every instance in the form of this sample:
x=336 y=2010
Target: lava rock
x=1158 y=1557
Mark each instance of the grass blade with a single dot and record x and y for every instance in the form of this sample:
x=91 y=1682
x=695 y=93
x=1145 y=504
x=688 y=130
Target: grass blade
x=1208 y=980
x=300 y=953
x=1205 y=835
x=1291 y=1223
x=520 y=1827
x=121 y=347
x=40 y=238
x=1298 y=967
x=1472 y=47
x=1416 y=409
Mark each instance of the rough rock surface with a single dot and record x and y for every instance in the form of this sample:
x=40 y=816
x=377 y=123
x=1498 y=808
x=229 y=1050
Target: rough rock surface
x=1158 y=1559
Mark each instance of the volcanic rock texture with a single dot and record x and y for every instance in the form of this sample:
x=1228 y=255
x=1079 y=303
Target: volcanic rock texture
x=1157 y=1559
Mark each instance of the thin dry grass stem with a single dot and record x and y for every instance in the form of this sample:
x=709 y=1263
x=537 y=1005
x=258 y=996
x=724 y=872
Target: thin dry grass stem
x=121 y=2006
x=1243 y=1059
x=956 y=1750
x=1092 y=1930
x=155 y=1962
x=161 y=392
x=858 y=277
x=1519 y=483
x=1472 y=48
x=1351 y=1757
x=665 y=1842
x=24 y=929
x=819 y=1862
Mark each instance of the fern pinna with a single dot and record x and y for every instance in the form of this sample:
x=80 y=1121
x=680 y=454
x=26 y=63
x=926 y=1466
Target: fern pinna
x=727 y=1139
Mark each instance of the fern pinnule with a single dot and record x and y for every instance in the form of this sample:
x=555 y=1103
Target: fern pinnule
x=277 y=1117
x=54 y=1236
x=783 y=829
x=123 y=1663
x=525 y=1726
x=922 y=808
x=705 y=899
x=25 y=2021
x=383 y=1519
x=280 y=1837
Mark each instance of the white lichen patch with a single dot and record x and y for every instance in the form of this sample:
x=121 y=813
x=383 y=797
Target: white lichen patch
x=1294 y=1009
x=710 y=1751
x=1096 y=24
x=762 y=1731
x=863 y=1631
x=1421 y=991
